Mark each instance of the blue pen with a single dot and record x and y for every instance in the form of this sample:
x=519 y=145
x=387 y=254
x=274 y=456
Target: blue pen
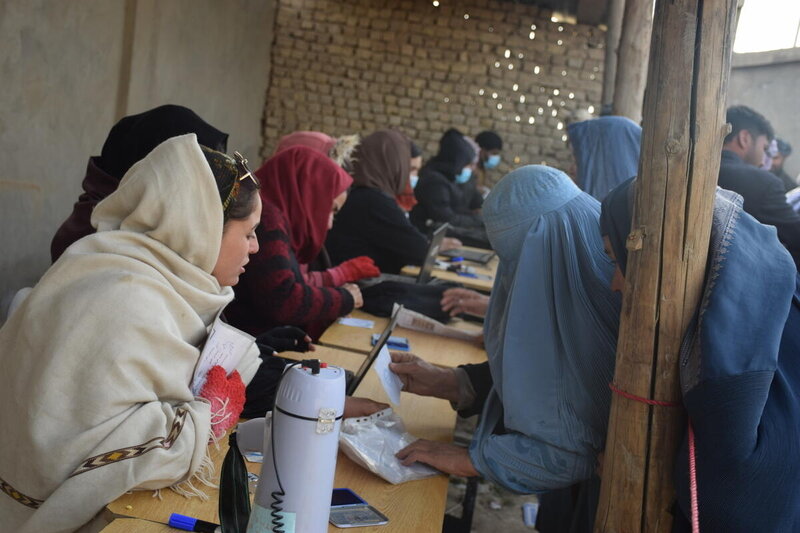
x=187 y=523
x=456 y=259
x=467 y=274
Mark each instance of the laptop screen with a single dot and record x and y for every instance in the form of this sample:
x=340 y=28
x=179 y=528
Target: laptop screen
x=373 y=354
x=433 y=252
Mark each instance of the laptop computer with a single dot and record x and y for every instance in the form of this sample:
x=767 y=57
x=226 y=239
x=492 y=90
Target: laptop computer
x=482 y=257
x=373 y=354
x=425 y=271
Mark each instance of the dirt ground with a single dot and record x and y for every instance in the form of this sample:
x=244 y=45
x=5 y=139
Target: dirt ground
x=496 y=509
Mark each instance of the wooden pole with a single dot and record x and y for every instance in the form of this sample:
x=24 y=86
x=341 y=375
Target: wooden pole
x=684 y=126
x=616 y=8
x=634 y=47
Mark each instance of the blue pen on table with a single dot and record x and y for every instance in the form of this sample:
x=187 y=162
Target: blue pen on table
x=467 y=275
x=456 y=259
x=187 y=523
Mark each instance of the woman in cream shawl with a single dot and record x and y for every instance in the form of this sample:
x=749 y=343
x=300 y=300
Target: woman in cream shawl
x=97 y=362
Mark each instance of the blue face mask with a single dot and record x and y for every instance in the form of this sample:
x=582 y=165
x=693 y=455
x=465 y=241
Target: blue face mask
x=492 y=161
x=466 y=174
x=413 y=179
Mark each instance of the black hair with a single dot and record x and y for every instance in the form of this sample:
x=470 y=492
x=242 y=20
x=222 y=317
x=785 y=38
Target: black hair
x=741 y=117
x=416 y=151
x=784 y=148
x=489 y=140
x=237 y=195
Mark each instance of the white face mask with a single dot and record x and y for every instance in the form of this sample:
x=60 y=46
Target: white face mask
x=413 y=179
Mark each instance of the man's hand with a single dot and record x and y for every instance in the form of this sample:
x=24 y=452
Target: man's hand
x=355 y=407
x=450 y=243
x=448 y=458
x=457 y=301
x=420 y=377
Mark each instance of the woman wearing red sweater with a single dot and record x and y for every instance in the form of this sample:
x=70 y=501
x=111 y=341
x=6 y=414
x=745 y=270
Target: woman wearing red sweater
x=301 y=191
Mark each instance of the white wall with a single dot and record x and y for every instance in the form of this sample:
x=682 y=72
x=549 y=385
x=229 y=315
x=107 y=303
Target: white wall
x=768 y=82
x=71 y=68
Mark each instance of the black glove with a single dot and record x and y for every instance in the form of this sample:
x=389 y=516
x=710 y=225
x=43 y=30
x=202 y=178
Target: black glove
x=284 y=338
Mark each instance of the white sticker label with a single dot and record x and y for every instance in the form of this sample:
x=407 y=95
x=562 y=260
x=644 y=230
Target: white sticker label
x=357 y=322
x=261 y=521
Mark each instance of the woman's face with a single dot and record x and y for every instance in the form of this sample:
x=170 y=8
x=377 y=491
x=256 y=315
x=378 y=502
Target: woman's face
x=338 y=202
x=238 y=242
x=618 y=281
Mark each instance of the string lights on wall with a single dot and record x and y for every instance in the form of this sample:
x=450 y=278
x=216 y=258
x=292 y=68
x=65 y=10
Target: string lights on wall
x=529 y=76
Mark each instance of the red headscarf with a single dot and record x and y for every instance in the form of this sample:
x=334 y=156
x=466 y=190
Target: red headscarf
x=303 y=183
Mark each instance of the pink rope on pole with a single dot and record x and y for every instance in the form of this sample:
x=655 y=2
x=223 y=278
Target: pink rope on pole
x=692 y=458
x=693 y=482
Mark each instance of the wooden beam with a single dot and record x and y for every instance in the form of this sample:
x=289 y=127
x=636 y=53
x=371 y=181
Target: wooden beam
x=616 y=8
x=684 y=125
x=634 y=47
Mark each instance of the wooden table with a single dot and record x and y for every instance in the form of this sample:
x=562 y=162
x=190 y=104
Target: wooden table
x=126 y=525
x=485 y=285
x=438 y=350
x=416 y=506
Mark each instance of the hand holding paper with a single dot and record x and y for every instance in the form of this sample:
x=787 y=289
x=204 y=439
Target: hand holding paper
x=391 y=383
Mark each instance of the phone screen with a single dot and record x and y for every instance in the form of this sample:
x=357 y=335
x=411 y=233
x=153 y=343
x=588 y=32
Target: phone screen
x=342 y=497
x=348 y=509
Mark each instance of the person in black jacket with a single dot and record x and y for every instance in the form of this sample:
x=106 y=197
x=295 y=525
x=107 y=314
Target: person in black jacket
x=439 y=197
x=784 y=151
x=371 y=222
x=764 y=194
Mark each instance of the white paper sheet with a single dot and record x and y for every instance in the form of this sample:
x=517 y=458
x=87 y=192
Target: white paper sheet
x=357 y=322
x=391 y=383
x=225 y=347
x=418 y=322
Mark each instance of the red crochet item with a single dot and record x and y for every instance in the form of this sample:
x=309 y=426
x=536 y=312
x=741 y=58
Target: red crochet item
x=226 y=394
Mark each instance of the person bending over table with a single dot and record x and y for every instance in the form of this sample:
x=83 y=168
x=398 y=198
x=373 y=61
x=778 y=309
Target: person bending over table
x=605 y=152
x=739 y=372
x=550 y=335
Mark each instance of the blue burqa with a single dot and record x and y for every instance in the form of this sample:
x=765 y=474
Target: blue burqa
x=740 y=374
x=606 y=151
x=550 y=334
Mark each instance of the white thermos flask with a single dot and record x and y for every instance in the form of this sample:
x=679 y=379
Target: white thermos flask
x=302 y=446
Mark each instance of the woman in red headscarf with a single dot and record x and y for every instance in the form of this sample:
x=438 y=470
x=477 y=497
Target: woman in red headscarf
x=301 y=190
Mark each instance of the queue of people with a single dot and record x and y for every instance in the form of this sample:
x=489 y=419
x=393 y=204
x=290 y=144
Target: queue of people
x=184 y=234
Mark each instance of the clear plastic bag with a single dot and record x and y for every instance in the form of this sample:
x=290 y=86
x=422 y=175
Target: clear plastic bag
x=372 y=442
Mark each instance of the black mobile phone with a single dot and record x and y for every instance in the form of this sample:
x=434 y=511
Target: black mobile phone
x=348 y=509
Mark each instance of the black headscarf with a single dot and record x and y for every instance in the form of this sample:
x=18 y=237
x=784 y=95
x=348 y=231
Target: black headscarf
x=489 y=140
x=454 y=154
x=615 y=219
x=135 y=136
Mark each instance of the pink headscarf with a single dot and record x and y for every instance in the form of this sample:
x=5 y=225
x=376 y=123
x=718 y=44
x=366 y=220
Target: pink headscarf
x=316 y=140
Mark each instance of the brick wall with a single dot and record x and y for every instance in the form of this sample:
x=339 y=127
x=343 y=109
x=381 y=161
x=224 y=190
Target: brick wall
x=354 y=66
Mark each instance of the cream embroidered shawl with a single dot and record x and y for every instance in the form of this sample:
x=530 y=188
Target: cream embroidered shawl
x=96 y=363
